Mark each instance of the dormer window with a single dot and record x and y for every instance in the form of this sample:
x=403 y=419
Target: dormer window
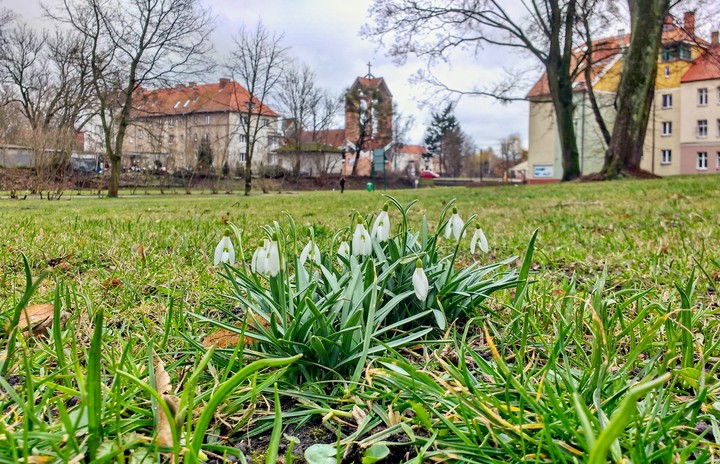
x=177 y=104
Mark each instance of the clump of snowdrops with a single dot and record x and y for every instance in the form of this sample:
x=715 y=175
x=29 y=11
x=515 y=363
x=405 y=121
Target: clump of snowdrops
x=380 y=285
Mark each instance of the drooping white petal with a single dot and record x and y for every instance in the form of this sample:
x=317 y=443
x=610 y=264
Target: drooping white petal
x=420 y=284
x=457 y=225
x=482 y=241
x=305 y=254
x=448 y=229
x=273 y=259
x=259 y=259
x=344 y=251
x=316 y=254
x=381 y=227
x=361 y=245
x=224 y=252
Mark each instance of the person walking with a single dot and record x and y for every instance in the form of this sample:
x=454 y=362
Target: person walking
x=342 y=184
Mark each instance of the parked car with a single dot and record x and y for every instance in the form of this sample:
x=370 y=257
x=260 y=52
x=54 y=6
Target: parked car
x=427 y=174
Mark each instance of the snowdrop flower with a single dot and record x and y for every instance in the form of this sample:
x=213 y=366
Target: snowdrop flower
x=224 y=251
x=361 y=245
x=381 y=227
x=343 y=251
x=478 y=239
x=259 y=259
x=273 y=257
x=454 y=226
x=310 y=248
x=420 y=282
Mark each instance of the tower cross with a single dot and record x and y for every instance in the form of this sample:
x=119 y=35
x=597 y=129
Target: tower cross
x=369 y=65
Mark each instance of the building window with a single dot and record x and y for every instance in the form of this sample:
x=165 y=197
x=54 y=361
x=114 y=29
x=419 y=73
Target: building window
x=702 y=97
x=702 y=128
x=665 y=55
x=684 y=53
x=665 y=156
x=273 y=159
x=667 y=100
x=140 y=133
x=702 y=160
x=667 y=128
x=171 y=138
x=242 y=157
x=718 y=128
x=718 y=95
x=243 y=138
x=171 y=123
x=207 y=119
x=667 y=71
x=717 y=166
x=195 y=119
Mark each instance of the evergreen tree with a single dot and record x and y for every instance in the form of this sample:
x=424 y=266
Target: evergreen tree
x=442 y=124
x=204 y=154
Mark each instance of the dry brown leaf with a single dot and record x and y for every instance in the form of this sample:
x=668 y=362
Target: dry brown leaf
x=224 y=338
x=112 y=283
x=163 y=386
x=38 y=317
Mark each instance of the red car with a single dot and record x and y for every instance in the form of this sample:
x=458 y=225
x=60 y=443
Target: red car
x=429 y=174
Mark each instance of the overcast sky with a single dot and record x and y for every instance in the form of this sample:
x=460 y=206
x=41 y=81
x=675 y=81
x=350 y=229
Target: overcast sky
x=324 y=34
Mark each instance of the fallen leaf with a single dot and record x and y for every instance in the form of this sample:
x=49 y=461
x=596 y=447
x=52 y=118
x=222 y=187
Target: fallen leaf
x=163 y=386
x=223 y=338
x=37 y=317
x=112 y=282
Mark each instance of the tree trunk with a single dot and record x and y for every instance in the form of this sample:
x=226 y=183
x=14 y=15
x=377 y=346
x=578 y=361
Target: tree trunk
x=114 y=186
x=637 y=87
x=248 y=176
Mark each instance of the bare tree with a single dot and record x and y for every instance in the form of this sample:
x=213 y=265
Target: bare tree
x=134 y=44
x=309 y=112
x=511 y=153
x=544 y=29
x=257 y=63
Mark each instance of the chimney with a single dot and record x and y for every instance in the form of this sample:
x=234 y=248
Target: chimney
x=621 y=32
x=192 y=85
x=689 y=23
x=714 y=39
x=224 y=81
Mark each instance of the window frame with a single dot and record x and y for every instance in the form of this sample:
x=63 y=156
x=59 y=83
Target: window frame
x=702 y=96
x=702 y=128
x=667 y=101
x=666 y=128
x=665 y=157
x=702 y=159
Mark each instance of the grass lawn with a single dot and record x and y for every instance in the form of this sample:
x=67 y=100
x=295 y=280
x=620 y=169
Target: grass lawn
x=599 y=341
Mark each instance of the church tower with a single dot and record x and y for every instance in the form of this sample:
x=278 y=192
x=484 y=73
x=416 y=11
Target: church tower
x=368 y=113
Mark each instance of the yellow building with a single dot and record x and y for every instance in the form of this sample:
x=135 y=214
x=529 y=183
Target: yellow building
x=680 y=50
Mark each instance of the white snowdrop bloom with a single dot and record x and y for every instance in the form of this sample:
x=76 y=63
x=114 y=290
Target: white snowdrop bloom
x=344 y=251
x=454 y=226
x=224 y=251
x=361 y=245
x=259 y=259
x=478 y=239
x=420 y=282
x=381 y=227
x=273 y=258
x=305 y=254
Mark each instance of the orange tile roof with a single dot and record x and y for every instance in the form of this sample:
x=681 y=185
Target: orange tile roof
x=605 y=50
x=412 y=150
x=221 y=96
x=706 y=67
x=332 y=137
